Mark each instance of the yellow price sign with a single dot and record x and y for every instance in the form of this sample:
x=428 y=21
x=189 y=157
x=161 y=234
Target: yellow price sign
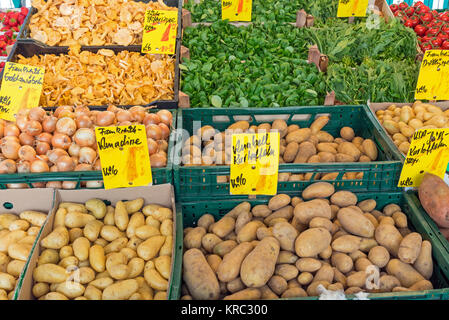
x=21 y=89
x=236 y=10
x=159 y=31
x=352 y=8
x=433 y=76
x=255 y=163
x=428 y=152
x=124 y=157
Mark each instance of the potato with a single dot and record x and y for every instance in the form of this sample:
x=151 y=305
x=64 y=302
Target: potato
x=167 y=247
x=75 y=233
x=279 y=201
x=205 y=221
x=57 y=239
x=111 y=233
x=92 y=230
x=7 y=281
x=379 y=256
x=33 y=231
x=120 y=290
x=278 y=284
x=35 y=218
x=160 y=295
x=286 y=271
x=361 y=264
x=349 y=149
x=367 y=243
x=327 y=147
x=347 y=133
x=306 y=211
x=305 y=278
x=40 y=289
x=70 y=289
x=97 y=258
x=248 y=232
x=343 y=198
x=145 y=231
x=357 y=279
x=54 y=296
x=224 y=226
x=96 y=207
x=410 y=248
x=291 y=151
x=400 y=219
x=312 y=289
x=50 y=273
x=137 y=220
x=102 y=283
x=341 y=157
x=155 y=280
x=116 y=245
x=121 y=216
x=150 y=248
x=19 y=224
x=258 y=266
x=370 y=149
x=81 y=248
x=422 y=285
x=263 y=232
x=389 y=237
x=246 y=294
x=326 y=254
x=235 y=285
x=199 y=277
x=391 y=208
x=77 y=219
x=346 y=243
x=285 y=213
x=194 y=237
x=242 y=220
x=387 y=283
x=229 y=268
x=261 y=210
x=163 y=266
x=19 y=251
x=306 y=151
x=312 y=241
x=6 y=219
x=224 y=247
x=48 y=256
x=342 y=262
x=135 y=205
x=318 y=190
x=242 y=207
x=404 y=272
x=424 y=262
x=287 y=257
x=355 y=223
x=286 y=234
x=15 y=267
x=319 y=222
x=298 y=135
x=69 y=262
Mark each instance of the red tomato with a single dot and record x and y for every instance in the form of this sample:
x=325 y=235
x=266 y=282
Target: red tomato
x=445 y=45
x=422 y=9
x=403 y=5
x=426 y=46
x=420 y=30
x=432 y=32
x=415 y=21
x=410 y=11
x=443 y=35
x=436 y=42
x=418 y=4
x=445 y=29
x=444 y=17
x=409 y=23
x=394 y=8
x=426 y=17
x=426 y=39
x=435 y=13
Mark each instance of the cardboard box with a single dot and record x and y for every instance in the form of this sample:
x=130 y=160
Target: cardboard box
x=159 y=194
x=15 y=201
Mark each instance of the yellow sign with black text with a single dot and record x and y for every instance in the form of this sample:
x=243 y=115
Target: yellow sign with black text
x=433 y=76
x=124 y=157
x=21 y=89
x=236 y=10
x=159 y=31
x=254 y=163
x=428 y=152
x=352 y=8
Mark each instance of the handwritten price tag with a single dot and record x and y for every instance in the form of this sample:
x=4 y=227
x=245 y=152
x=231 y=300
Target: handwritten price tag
x=352 y=8
x=159 y=31
x=21 y=89
x=433 y=76
x=428 y=152
x=255 y=163
x=236 y=10
x=124 y=157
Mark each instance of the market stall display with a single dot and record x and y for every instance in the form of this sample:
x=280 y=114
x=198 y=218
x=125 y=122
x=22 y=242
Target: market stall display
x=286 y=246
x=64 y=140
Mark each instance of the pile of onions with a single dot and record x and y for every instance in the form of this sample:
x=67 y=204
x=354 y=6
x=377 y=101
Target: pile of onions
x=41 y=141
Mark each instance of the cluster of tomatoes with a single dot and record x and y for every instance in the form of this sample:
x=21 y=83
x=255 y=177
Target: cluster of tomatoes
x=431 y=27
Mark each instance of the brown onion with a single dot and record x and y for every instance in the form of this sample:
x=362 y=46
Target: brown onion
x=94 y=184
x=81 y=110
x=74 y=149
x=23 y=166
x=138 y=113
x=83 y=121
x=87 y=155
x=2 y=127
x=27 y=153
x=105 y=118
x=83 y=167
x=10 y=150
x=75 y=160
x=21 y=122
x=97 y=165
x=152 y=146
x=124 y=115
x=124 y=123
x=44 y=158
x=49 y=124
x=39 y=166
x=165 y=130
x=84 y=137
x=8 y=166
x=33 y=128
x=42 y=147
x=38 y=185
x=69 y=184
x=61 y=140
x=65 y=163
x=62 y=109
x=54 y=184
x=163 y=145
x=37 y=114
x=166 y=117
x=10 y=138
x=17 y=186
x=26 y=139
x=158 y=160
x=154 y=132
x=151 y=118
x=112 y=108
x=44 y=137
x=55 y=154
x=53 y=169
x=11 y=130
x=66 y=126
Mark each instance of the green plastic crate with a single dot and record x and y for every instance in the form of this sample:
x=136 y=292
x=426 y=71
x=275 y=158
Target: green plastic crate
x=174 y=290
x=160 y=175
x=200 y=182
x=192 y=211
